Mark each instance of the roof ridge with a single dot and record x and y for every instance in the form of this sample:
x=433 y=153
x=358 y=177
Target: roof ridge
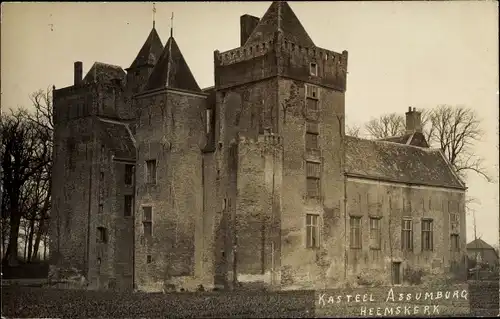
x=279 y=17
x=171 y=70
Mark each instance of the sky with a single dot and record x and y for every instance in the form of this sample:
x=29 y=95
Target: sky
x=401 y=54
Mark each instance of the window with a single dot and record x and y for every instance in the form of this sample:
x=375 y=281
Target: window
x=454 y=225
x=312 y=231
x=312 y=104
x=101 y=176
x=312 y=136
x=427 y=235
x=355 y=237
x=312 y=141
x=102 y=235
x=313 y=69
x=101 y=208
x=455 y=242
x=149 y=259
x=311 y=98
x=312 y=91
x=129 y=204
x=129 y=174
x=396 y=273
x=407 y=235
x=151 y=172
x=209 y=120
x=313 y=171
x=147 y=221
x=375 y=233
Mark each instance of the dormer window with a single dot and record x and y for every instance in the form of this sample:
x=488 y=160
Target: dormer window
x=313 y=69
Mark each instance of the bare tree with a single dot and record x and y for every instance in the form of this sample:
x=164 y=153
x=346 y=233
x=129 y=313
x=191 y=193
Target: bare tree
x=455 y=130
x=43 y=118
x=387 y=125
x=452 y=129
x=352 y=130
x=26 y=161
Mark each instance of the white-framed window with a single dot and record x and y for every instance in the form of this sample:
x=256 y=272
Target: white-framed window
x=407 y=234
x=312 y=97
x=313 y=69
x=312 y=231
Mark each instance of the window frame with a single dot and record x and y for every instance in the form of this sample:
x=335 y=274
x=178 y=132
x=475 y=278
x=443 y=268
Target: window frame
x=312 y=231
x=129 y=174
x=427 y=235
x=102 y=235
x=147 y=221
x=313 y=69
x=355 y=242
x=455 y=239
x=314 y=177
x=377 y=231
x=125 y=205
x=151 y=179
x=410 y=231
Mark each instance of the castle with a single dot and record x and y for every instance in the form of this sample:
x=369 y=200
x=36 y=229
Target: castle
x=157 y=182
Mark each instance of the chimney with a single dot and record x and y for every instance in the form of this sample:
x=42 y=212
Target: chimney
x=78 y=72
x=413 y=121
x=247 y=25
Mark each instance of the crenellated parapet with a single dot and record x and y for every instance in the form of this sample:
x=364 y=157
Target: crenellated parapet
x=267 y=143
x=280 y=57
x=243 y=53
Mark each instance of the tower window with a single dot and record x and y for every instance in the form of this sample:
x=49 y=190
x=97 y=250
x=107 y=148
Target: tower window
x=129 y=174
x=151 y=172
x=313 y=69
x=129 y=204
x=147 y=221
x=313 y=172
x=102 y=235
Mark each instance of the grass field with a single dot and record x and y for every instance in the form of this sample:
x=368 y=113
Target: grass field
x=41 y=302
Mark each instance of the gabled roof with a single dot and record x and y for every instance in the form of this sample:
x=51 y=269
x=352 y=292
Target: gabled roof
x=150 y=51
x=280 y=16
x=415 y=139
x=172 y=71
x=104 y=73
x=478 y=244
x=399 y=163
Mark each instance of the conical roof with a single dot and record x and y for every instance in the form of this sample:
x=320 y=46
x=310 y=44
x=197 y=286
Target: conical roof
x=281 y=17
x=172 y=71
x=150 y=51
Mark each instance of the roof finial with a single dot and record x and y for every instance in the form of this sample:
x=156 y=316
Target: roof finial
x=154 y=13
x=172 y=25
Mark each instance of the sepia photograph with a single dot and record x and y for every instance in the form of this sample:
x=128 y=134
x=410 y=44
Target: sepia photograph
x=249 y=159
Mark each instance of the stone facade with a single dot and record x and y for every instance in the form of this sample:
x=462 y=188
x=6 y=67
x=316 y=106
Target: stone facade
x=160 y=184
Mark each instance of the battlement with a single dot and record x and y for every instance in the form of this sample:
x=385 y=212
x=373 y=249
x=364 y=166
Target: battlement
x=267 y=139
x=243 y=53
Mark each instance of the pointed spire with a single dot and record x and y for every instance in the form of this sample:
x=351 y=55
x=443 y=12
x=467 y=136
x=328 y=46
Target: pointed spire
x=280 y=17
x=172 y=71
x=154 y=13
x=172 y=25
x=150 y=51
